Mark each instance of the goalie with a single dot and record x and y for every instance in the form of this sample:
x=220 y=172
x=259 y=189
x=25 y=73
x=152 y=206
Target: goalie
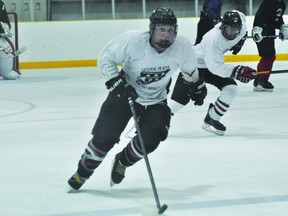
x=7 y=61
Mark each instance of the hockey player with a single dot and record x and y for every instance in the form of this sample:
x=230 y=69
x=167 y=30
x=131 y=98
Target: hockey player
x=268 y=18
x=230 y=34
x=7 y=62
x=149 y=59
x=209 y=17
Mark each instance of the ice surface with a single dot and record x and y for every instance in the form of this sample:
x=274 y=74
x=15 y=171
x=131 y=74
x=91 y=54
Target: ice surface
x=45 y=123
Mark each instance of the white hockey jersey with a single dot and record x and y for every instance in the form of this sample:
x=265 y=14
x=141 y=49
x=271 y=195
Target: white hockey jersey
x=148 y=71
x=210 y=52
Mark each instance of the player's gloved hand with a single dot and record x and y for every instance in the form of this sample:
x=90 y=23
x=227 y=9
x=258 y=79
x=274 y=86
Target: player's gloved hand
x=243 y=73
x=239 y=45
x=257 y=34
x=119 y=86
x=284 y=32
x=4 y=30
x=197 y=90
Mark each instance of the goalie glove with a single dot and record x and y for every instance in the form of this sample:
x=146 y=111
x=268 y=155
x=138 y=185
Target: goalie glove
x=239 y=45
x=119 y=86
x=4 y=30
x=197 y=90
x=257 y=34
x=284 y=32
x=243 y=73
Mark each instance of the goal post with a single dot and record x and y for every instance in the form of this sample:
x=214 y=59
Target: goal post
x=13 y=18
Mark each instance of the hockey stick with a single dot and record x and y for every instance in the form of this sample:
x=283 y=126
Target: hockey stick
x=11 y=54
x=162 y=208
x=271 y=72
x=268 y=36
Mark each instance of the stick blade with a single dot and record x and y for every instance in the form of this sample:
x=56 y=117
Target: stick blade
x=162 y=209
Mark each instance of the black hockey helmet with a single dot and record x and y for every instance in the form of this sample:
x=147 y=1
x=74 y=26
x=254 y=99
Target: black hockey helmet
x=166 y=17
x=163 y=16
x=231 y=19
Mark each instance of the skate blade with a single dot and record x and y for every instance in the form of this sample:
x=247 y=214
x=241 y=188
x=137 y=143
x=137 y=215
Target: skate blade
x=111 y=181
x=71 y=189
x=261 y=89
x=211 y=129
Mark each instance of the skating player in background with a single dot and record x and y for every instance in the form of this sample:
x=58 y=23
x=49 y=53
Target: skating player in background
x=268 y=18
x=7 y=62
x=209 y=17
x=230 y=34
x=149 y=59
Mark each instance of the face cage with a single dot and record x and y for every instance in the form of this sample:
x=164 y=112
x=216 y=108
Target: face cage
x=228 y=36
x=163 y=43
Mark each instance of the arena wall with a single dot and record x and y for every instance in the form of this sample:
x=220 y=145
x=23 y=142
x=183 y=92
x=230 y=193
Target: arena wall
x=77 y=43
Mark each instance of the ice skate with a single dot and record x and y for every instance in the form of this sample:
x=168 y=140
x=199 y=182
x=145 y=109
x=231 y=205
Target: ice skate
x=212 y=125
x=75 y=182
x=260 y=85
x=118 y=171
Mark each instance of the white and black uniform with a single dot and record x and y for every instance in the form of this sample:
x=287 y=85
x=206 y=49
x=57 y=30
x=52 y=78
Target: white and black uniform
x=7 y=63
x=149 y=73
x=210 y=53
x=210 y=63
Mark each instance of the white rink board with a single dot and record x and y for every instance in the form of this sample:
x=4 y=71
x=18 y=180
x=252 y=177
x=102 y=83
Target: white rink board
x=82 y=40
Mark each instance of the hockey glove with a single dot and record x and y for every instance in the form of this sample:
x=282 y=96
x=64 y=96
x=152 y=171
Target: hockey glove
x=197 y=90
x=284 y=32
x=257 y=34
x=119 y=86
x=243 y=73
x=4 y=30
x=239 y=45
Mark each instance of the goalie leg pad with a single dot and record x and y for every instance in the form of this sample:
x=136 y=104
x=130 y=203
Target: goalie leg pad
x=6 y=62
x=6 y=69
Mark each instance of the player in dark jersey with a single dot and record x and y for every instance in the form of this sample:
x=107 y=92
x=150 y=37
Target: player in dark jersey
x=209 y=17
x=268 y=18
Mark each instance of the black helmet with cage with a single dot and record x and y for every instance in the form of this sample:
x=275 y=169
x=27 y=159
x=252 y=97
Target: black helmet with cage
x=231 y=25
x=163 y=16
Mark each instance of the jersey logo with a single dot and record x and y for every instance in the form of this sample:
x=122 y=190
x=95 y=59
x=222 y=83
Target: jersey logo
x=147 y=77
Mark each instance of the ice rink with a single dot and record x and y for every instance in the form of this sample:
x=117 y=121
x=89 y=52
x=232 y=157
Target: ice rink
x=45 y=123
